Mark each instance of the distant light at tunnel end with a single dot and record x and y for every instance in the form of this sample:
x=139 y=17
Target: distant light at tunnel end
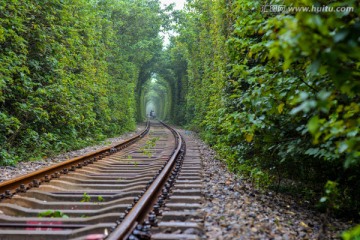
x=179 y=4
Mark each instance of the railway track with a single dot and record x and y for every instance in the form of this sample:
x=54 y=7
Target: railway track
x=148 y=187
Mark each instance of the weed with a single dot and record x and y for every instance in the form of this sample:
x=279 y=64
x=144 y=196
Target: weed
x=52 y=214
x=148 y=145
x=86 y=198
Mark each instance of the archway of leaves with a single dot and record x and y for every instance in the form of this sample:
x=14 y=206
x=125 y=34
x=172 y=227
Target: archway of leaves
x=156 y=95
x=70 y=71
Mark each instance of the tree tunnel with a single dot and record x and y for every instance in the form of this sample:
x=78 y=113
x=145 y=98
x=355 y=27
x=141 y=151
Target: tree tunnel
x=156 y=96
x=162 y=87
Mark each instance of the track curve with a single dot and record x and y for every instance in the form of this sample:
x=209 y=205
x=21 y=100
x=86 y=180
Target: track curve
x=115 y=193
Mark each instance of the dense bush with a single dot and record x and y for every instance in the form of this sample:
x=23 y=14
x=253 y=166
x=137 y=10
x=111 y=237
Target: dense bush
x=277 y=94
x=68 y=71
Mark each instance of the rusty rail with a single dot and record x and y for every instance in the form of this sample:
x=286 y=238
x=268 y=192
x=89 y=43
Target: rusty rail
x=138 y=193
x=139 y=211
x=20 y=184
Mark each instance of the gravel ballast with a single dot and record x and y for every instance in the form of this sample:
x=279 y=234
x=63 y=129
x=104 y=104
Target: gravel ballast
x=234 y=209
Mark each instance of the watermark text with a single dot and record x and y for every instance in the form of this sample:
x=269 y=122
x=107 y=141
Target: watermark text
x=313 y=9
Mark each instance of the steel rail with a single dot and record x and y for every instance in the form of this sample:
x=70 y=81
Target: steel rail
x=145 y=203
x=12 y=186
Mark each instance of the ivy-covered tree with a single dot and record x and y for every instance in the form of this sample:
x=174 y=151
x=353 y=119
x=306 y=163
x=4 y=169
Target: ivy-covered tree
x=276 y=93
x=69 y=71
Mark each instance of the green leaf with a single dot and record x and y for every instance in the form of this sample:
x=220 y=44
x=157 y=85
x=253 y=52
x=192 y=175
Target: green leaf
x=313 y=124
x=352 y=234
x=280 y=108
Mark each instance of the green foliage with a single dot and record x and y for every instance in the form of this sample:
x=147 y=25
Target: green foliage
x=151 y=143
x=352 y=234
x=100 y=199
x=157 y=91
x=86 y=198
x=331 y=199
x=276 y=94
x=260 y=178
x=52 y=214
x=69 y=71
